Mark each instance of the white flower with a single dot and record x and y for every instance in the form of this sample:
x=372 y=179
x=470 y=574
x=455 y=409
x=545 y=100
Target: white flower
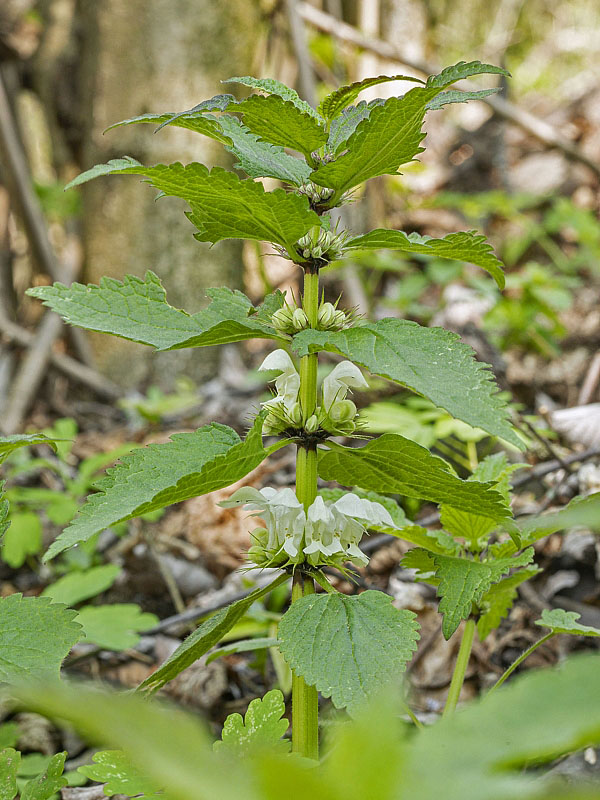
x=288 y=382
x=329 y=532
x=342 y=377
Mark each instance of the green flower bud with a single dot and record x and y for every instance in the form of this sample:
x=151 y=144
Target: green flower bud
x=282 y=320
x=296 y=414
x=342 y=411
x=312 y=424
x=299 y=320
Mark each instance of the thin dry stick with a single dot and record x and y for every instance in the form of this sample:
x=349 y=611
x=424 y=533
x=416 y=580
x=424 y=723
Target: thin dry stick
x=74 y=369
x=17 y=176
x=591 y=381
x=308 y=88
x=538 y=128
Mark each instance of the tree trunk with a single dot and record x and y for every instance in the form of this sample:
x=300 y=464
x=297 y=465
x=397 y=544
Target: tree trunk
x=155 y=55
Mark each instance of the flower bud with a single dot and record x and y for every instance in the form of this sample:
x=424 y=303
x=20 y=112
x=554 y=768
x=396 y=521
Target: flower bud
x=282 y=320
x=299 y=320
x=272 y=425
x=342 y=411
x=296 y=414
x=311 y=425
x=326 y=315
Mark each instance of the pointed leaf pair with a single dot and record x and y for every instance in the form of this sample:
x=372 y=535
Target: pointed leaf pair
x=391 y=135
x=395 y=465
x=159 y=475
x=348 y=647
x=461 y=582
x=431 y=361
x=137 y=309
x=333 y=105
x=207 y=635
x=466 y=246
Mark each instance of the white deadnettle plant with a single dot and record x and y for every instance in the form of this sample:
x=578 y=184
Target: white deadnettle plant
x=336 y=414
x=327 y=533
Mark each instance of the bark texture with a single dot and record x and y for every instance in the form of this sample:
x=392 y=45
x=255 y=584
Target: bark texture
x=156 y=55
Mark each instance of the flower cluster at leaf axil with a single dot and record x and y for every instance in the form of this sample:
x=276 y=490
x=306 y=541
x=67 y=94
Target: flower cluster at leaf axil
x=291 y=319
x=336 y=414
x=326 y=534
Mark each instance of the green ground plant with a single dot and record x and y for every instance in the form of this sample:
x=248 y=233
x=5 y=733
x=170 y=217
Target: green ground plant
x=345 y=647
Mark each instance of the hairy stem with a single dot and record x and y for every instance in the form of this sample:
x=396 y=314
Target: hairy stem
x=305 y=709
x=520 y=660
x=460 y=668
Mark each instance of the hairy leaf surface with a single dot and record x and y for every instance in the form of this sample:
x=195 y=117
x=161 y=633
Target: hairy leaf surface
x=333 y=104
x=466 y=246
x=463 y=69
x=159 y=475
x=261 y=728
x=456 y=96
x=137 y=309
x=433 y=362
x=280 y=122
x=272 y=86
x=35 y=636
x=207 y=635
x=223 y=206
x=463 y=582
x=395 y=465
x=348 y=647
x=499 y=598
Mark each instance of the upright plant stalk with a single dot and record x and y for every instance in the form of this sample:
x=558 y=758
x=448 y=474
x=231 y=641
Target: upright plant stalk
x=520 y=660
x=305 y=709
x=460 y=668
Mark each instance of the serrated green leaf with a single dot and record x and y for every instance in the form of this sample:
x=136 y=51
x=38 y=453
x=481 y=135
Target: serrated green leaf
x=348 y=647
x=35 y=636
x=432 y=362
x=50 y=782
x=463 y=582
x=389 y=137
x=456 y=96
x=343 y=127
x=159 y=475
x=395 y=465
x=260 y=729
x=223 y=206
x=272 y=86
x=9 y=766
x=463 y=69
x=10 y=443
x=561 y=621
x=136 y=309
x=116 y=626
x=255 y=157
x=78 y=586
x=499 y=598
x=473 y=527
x=466 y=246
x=22 y=537
x=259 y=158
x=422 y=561
x=333 y=104
x=282 y=123
x=115 y=769
x=207 y=635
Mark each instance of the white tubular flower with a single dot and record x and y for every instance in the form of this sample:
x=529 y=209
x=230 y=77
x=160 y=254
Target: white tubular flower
x=329 y=533
x=288 y=382
x=342 y=377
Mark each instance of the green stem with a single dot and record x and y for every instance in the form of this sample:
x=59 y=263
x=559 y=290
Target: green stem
x=305 y=702
x=305 y=708
x=520 y=660
x=462 y=660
